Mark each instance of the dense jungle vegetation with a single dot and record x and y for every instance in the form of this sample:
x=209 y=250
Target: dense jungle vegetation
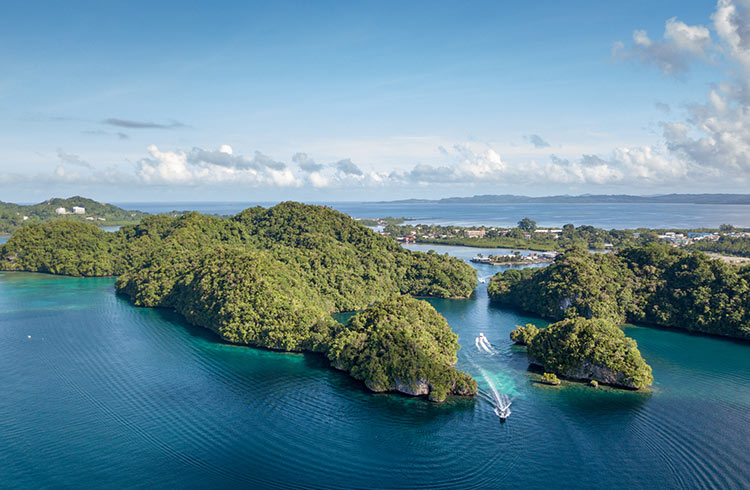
x=525 y=236
x=13 y=216
x=265 y=277
x=401 y=340
x=728 y=245
x=654 y=284
x=587 y=349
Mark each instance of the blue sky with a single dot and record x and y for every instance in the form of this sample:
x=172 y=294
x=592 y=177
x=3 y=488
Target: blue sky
x=377 y=100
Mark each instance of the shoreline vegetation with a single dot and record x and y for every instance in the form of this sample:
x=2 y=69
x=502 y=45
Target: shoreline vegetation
x=73 y=209
x=273 y=278
x=652 y=284
x=590 y=350
x=724 y=240
x=515 y=258
x=734 y=199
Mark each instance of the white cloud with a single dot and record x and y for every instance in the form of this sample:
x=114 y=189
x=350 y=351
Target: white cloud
x=716 y=134
x=732 y=24
x=681 y=44
x=484 y=166
x=347 y=167
x=710 y=145
x=306 y=163
x=318 y=180
x=199 y=166
x=692 y=39
x=713 y=139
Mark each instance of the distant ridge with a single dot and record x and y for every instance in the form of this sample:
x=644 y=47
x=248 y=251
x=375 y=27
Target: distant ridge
x=743 y=199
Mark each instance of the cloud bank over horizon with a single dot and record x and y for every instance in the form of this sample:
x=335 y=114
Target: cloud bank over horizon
x=704 y=144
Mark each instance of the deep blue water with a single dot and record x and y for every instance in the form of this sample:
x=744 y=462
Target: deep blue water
x=608 y=216
x=99 y=393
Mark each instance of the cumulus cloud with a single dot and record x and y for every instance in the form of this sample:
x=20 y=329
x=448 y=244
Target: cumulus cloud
x=347 y=167
x=130 y=124
x=224 y=157
x=708 y=142
x=680 y=45
x=72 y=159
x=537 y=141
x=642 y=165
x=716 y=133
x=306 y=163
x=199 y=166
x=732 y=23
x=714 y=136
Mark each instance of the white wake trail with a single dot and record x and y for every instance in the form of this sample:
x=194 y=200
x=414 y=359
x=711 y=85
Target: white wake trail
x=501 y=401
x=486 y=345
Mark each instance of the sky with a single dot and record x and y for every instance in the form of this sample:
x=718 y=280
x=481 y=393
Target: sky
x=350 y=101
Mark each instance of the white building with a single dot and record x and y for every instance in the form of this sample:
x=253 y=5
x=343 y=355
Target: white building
x=60 y=211
x=79 y=210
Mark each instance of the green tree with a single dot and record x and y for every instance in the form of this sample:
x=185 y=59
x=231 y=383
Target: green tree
x=265 y=277
x=401 y=343
x=590 y=349
x=527 y=224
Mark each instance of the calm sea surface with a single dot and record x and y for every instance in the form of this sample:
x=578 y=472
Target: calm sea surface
x=99 y=393
x=606 y=216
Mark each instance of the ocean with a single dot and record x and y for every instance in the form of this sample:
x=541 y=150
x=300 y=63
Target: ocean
x=608 y=216
x=100 y=393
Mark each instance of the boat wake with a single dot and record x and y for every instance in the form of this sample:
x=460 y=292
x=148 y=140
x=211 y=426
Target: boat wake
x=500 y=401
x=483 y=345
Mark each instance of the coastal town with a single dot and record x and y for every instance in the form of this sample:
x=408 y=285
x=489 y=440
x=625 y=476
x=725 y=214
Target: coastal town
x=78 y=210
x=724 y=241
x=516 y=258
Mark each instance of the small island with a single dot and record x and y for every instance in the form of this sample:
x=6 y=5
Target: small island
x=586 y=350
x=402 y=344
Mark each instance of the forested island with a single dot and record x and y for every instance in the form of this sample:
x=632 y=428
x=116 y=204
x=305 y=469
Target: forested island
x=80 y=209
x=652 y=284
x=586 y=349
x=272 y=278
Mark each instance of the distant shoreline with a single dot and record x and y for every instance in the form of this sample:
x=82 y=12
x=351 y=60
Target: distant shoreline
x=697 y=199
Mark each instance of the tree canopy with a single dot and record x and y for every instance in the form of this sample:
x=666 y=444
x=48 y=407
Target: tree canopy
x=13 y=216
x=589 y=349
x=653 y=284
x=527 y=224
x=265 y=277
x=401 y=341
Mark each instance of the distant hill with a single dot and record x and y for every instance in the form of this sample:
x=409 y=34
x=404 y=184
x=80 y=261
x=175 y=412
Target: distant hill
x=743 y=199
x=13 y=216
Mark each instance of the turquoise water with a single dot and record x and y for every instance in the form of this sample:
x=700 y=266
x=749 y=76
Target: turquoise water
x=96 y=392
